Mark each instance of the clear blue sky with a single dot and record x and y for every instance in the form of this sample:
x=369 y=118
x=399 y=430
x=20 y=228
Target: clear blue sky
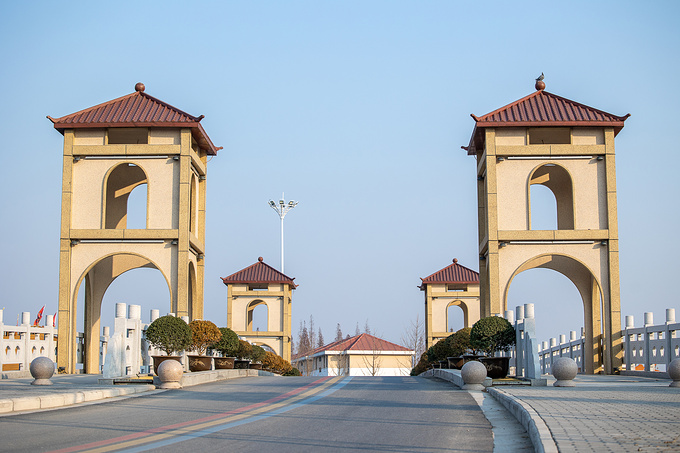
x=357 y=109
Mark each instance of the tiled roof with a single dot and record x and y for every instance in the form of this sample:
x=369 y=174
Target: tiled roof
x=361 y=342
x=259 y=272
x=542 y=108
x=137 y=109
x=453 y=273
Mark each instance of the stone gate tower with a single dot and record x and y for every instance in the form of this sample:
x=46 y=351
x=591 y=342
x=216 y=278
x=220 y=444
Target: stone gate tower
x=545 y=139
x=110 y=150
x=260 y=285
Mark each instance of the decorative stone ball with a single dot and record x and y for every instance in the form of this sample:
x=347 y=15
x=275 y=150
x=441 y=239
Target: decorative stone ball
x=674 y=373
x=139 y=86
x=473 y=374
x=42 y=369
x=170 y=373
x=564 y=369
x=540 y=85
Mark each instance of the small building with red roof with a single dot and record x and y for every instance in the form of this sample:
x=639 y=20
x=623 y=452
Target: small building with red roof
x=360 y=355
x=261 y=287
x=454 y=285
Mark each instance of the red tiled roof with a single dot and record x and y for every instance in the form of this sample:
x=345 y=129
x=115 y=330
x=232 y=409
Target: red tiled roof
x=137 y=109
x=259 y=272
x=453 y=273
x=542 y=108
x=361 y=342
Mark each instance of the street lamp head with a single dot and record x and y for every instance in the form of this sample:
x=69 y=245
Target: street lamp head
x=272 y=204
x=281 y=202
x=292 y=203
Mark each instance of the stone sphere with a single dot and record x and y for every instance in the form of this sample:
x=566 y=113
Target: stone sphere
x=674 y=372
x=42 y=369
x=473 y=373
x=564 y=370
x=170 y=373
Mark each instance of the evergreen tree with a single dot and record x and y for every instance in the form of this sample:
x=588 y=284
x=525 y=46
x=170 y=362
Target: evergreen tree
x=320 y=341
x=357 y=331
x=367 y=328
x=304 y=345
x=338 y=333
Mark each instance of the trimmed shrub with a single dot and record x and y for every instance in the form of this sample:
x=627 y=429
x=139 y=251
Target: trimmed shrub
x=258 y=353
x=244 y=350
x=422 y=365
x=492 y=334
x=454 y=345
x=228 y=344
x=204 y=334
x=276 y=364
x=169 y=334
x=292 y=372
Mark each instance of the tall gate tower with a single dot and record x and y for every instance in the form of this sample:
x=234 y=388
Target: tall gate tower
x=568 y=148
x=110 y=150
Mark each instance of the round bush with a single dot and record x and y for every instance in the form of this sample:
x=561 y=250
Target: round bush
x=169 y=334
x=203 y=335
x=228 y=344
x=492 y=334
x=244 y=350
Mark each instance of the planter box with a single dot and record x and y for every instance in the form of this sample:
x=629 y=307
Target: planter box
x=496 y=367
x=200 y=363
x=224 y=363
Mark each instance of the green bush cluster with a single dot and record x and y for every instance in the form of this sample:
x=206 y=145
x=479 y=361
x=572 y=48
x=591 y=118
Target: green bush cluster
x=169 y=334
x=244 y=350
x=492 y=334
x=454 y=345
x=228 y=344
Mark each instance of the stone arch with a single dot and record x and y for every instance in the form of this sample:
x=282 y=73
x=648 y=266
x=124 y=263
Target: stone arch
x=558 y=179
x=250 y=308
x=119 y=182
x=268 y=344
x=463 y=306
x=98 y=277
x=591 y=293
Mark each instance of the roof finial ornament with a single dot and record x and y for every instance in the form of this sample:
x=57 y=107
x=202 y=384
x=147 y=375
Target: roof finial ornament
x=455 y=261
x=260 y=259
x=540 y=84
x=139 y=86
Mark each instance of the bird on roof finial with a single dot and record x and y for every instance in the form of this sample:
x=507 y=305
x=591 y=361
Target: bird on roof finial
x=540 y=84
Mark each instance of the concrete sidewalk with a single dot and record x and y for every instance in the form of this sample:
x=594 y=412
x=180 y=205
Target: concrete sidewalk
x=18 y=395
x=602 y=413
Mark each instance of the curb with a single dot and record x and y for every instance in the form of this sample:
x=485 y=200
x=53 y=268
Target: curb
x=538 y=431
x=13 y=405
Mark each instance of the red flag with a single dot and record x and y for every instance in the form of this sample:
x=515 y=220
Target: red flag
x=39 y=317
x=54 y=320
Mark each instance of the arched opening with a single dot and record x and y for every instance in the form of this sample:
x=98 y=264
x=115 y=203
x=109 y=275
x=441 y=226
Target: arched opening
x=566 y=296
x=557 y=179
x=456 y=316
x=257 y=316
x=543 y=208
x=128 y=278
x=119 y=184
x=136 y=208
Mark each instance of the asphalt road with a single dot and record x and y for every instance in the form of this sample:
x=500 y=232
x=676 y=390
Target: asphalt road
x=277 y=414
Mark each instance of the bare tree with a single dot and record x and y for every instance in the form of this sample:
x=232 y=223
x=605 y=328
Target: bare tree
x=413 y=338
x=319 y=341
x=373 y=361
x=342 y=364
x=357 y=331
x=367 y=328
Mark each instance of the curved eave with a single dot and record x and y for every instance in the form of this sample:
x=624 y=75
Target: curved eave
x=197 y=130
x=231 y=282
x=422 y=285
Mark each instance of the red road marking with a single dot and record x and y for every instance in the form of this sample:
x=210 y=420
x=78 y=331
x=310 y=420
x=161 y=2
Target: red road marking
x=161 y=429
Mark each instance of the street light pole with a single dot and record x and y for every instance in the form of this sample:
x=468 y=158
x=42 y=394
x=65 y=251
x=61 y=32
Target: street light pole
x=282 y=209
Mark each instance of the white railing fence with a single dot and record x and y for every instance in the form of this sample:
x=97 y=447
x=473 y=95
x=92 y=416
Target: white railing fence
x=651 y=348
x=550 y=351
x=524 y=357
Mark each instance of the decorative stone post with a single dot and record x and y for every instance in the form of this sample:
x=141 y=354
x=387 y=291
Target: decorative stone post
x=42 y=369
x=170 y=373
x=674 y=373
x=564 y=369
x=473 y=374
